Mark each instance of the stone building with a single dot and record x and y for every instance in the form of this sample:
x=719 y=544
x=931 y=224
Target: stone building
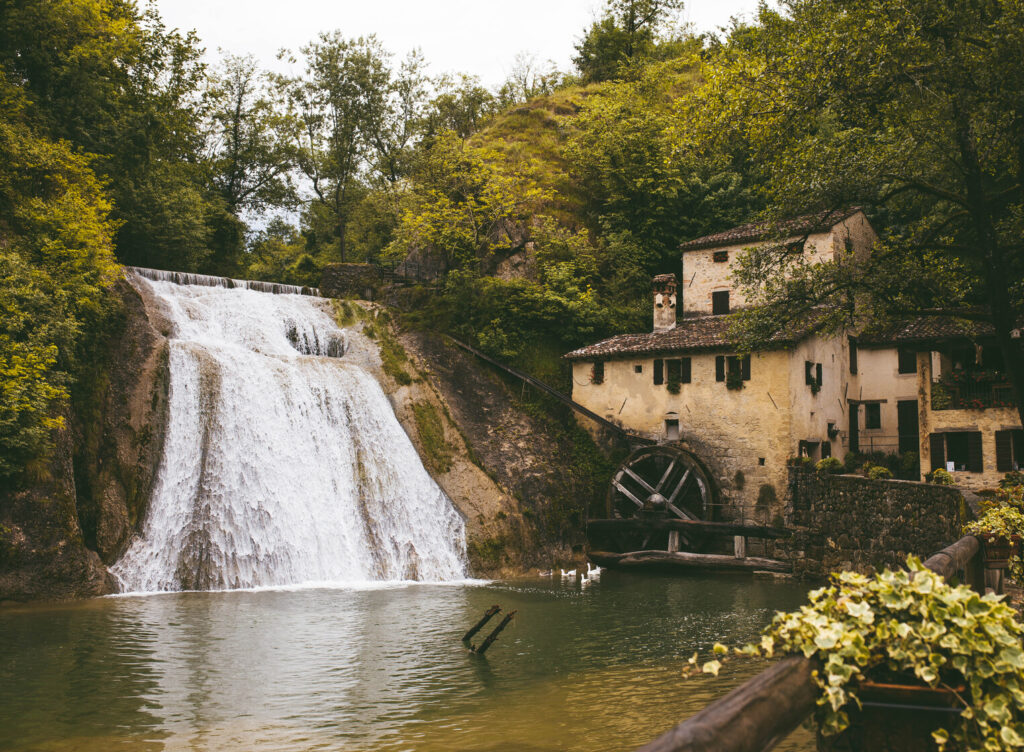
x=926 y=387
x=967 y=418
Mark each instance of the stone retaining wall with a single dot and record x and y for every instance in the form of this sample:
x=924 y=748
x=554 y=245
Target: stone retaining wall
x=852 y=522
x=350 y=281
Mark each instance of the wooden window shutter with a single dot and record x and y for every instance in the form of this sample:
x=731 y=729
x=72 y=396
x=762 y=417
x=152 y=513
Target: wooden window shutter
x=853 y=354
x=684 y=375
x=1004 y=451
x=745 y=367
x=938 y=451
x=719 y=368
x=808 y=372
x=659 y=371
x=597 y=375
x=975 y=462
x=817 y=374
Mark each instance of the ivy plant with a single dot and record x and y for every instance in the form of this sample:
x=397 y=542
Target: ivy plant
x=1001 y=520
x=897 y=625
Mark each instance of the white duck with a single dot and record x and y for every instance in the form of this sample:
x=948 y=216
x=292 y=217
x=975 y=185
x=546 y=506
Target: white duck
x=567 y=575
x=593 y=573
x=584 y=581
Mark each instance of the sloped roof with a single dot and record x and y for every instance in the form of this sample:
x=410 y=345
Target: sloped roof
x=806 y=224
x=923 y=330
x=691 y=334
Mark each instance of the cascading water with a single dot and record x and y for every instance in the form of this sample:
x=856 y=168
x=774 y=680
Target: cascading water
x=282 y=465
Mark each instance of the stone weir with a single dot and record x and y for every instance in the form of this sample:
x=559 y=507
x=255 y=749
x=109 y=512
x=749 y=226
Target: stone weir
x=206 y=280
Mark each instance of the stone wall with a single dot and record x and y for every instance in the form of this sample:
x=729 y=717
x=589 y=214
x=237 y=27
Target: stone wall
x=850 y=522
x=350 y=281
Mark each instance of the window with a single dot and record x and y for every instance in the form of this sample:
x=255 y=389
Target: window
x=961 y=448
x=812 y=374
x=720 y=302
x=853 y=354
x=720 y=257
x=673 y=371
x=1009 y=451
x=638 y=368
x=597 y=374
x=672 y=429
x=684 y=370
x=873 y=415
x=732 y=368
x=659 y=372
x=907 y=361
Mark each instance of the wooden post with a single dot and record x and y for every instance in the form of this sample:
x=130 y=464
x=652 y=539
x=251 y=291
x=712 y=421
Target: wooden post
x=494 y=635
x=673 y=541
x=739 y=546
x=480 y=624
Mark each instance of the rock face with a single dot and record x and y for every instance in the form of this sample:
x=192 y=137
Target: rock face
x=57 y=534
x=541 y=470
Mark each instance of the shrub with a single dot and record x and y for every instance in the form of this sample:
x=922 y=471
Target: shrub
x=1012 y=479
x=804 y=462
x=830 y=465
x=940 y=477
x=877 y=472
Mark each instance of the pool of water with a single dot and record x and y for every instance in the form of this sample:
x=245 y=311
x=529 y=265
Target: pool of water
x=376 y=669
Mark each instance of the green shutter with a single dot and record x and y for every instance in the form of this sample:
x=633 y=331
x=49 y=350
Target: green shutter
x=975 y=463
x=937 y=442
x=1004 y=451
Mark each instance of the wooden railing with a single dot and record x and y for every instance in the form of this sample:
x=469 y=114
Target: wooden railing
x=759 y=714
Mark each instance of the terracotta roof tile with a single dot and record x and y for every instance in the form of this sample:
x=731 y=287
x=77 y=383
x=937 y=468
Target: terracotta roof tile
x=803 y=225
x=924 y=329
x=691 y=334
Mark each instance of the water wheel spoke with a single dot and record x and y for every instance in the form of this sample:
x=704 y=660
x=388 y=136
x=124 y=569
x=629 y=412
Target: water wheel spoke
x=671 y=467
x=639 y=480
x=627 y=493
x=679 y=486
x=681 y=512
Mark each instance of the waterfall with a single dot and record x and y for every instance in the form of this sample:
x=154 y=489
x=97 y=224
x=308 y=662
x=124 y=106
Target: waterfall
x=283 y=463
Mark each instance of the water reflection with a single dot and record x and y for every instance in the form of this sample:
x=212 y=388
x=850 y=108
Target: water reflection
x=374 y=669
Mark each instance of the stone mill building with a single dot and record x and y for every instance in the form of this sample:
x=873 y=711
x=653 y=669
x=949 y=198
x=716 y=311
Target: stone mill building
x=745 y=416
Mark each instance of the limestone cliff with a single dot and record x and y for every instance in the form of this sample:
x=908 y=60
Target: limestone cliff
x=57 y=534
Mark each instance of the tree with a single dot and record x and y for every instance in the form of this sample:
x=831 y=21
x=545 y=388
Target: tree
x=117 y=84
x=401 y=122
x=56 y=262
x=622 y=152
x=336 y=106
x=626 y=32
x=250 y=159
x=528 y=79
x=914 y=110
x=459 y=105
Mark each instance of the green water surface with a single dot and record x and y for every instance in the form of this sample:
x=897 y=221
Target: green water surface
x=376 y=669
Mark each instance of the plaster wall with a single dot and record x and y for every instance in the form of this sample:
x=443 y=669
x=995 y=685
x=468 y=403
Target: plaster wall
x=812 y=412
x=986 y=421
x=730 y=430
x=702 y=275
x=878 y=378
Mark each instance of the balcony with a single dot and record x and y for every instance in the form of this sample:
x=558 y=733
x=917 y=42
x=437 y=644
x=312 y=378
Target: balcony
x=972 y=390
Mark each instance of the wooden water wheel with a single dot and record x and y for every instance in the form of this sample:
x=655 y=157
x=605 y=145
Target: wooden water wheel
x=660 y=478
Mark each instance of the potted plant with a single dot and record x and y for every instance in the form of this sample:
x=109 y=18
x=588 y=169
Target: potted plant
x=1001 y=529
x=950 y=660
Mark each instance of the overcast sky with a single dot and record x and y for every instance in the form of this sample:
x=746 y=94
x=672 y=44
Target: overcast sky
x=481 y=37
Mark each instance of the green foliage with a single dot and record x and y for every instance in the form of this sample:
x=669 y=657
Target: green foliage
x=877 y=472
x=56 y=262
x=430 y=427
x=940 y=477
x=1003 y=518
x=625 y=35
x=830 y=466
x=1012 y=480
x=911 y=623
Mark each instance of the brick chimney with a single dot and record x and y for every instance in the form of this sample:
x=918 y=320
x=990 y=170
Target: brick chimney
x=664 y=288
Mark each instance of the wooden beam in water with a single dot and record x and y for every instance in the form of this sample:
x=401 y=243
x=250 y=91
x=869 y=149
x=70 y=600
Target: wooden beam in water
x=480 y=624
x=683 y=559
x=688 y=526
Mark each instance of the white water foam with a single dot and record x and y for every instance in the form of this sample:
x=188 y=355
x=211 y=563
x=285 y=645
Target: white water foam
x=281 y=465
